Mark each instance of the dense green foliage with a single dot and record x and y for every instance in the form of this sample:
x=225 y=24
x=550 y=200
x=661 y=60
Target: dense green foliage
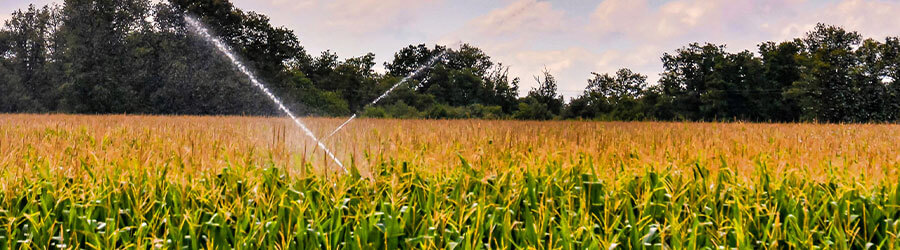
x=551 y=207
x=135 y=56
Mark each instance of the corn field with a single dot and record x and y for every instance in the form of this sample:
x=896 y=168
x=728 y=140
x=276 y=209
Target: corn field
x=169 y=182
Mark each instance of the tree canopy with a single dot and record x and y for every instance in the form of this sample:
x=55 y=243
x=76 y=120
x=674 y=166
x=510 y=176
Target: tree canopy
x=137 y=56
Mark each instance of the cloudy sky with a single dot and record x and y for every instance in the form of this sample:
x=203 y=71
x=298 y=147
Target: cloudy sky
x=571 y=38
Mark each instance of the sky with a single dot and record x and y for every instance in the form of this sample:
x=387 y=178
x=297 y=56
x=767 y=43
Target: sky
x=570 y=38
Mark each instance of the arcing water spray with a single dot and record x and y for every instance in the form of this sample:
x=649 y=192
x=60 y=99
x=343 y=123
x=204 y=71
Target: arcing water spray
x=386 y=93
x=200 y=29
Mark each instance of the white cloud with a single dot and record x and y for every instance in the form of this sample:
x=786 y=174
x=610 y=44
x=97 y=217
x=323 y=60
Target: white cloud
x=571 y=66
x=523 y=17
x=370 y=16
x=554 y=60
x=579 y=58
x=512 y=27
x=350 y=17
x=744 y=22
x=876 y=19
x=611 y=14
x=295 y=4
x=636 y=19
x=510 y=33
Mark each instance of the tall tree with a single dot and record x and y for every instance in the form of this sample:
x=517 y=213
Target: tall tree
x=500 y=90
x=411 y=58
x=623 y=84
x=94 y=33
x=270 y=51
x=692 y=76
x=460 y=77
x=614 y=97
x=356 y=81
x=13 y=96
x=29 y=45
x=891 y=58
x=267 y=48
x=782 y=68
x=707 y=83
x=826 y=89
x=546 y=93
x=870 y=89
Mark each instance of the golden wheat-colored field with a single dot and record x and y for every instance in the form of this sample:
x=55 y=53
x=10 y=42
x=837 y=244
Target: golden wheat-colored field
x=210 y=143
x=54 y=165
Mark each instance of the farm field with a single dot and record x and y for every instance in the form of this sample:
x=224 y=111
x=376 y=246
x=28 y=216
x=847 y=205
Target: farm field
x=140 y=182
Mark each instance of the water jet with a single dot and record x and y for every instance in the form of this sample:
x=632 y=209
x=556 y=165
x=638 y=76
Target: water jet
x=200 y=30
x=386 y=93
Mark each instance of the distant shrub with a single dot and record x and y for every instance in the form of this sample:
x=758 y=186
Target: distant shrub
x=402 y=110
x=375 y=112
x=485 y=112
x=533 y=110
x=441 y=111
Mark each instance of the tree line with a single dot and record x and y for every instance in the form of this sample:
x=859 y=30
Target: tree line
x=136 y=56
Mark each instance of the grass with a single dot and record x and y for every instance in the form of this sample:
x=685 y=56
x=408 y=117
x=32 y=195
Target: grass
x=139 y=182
